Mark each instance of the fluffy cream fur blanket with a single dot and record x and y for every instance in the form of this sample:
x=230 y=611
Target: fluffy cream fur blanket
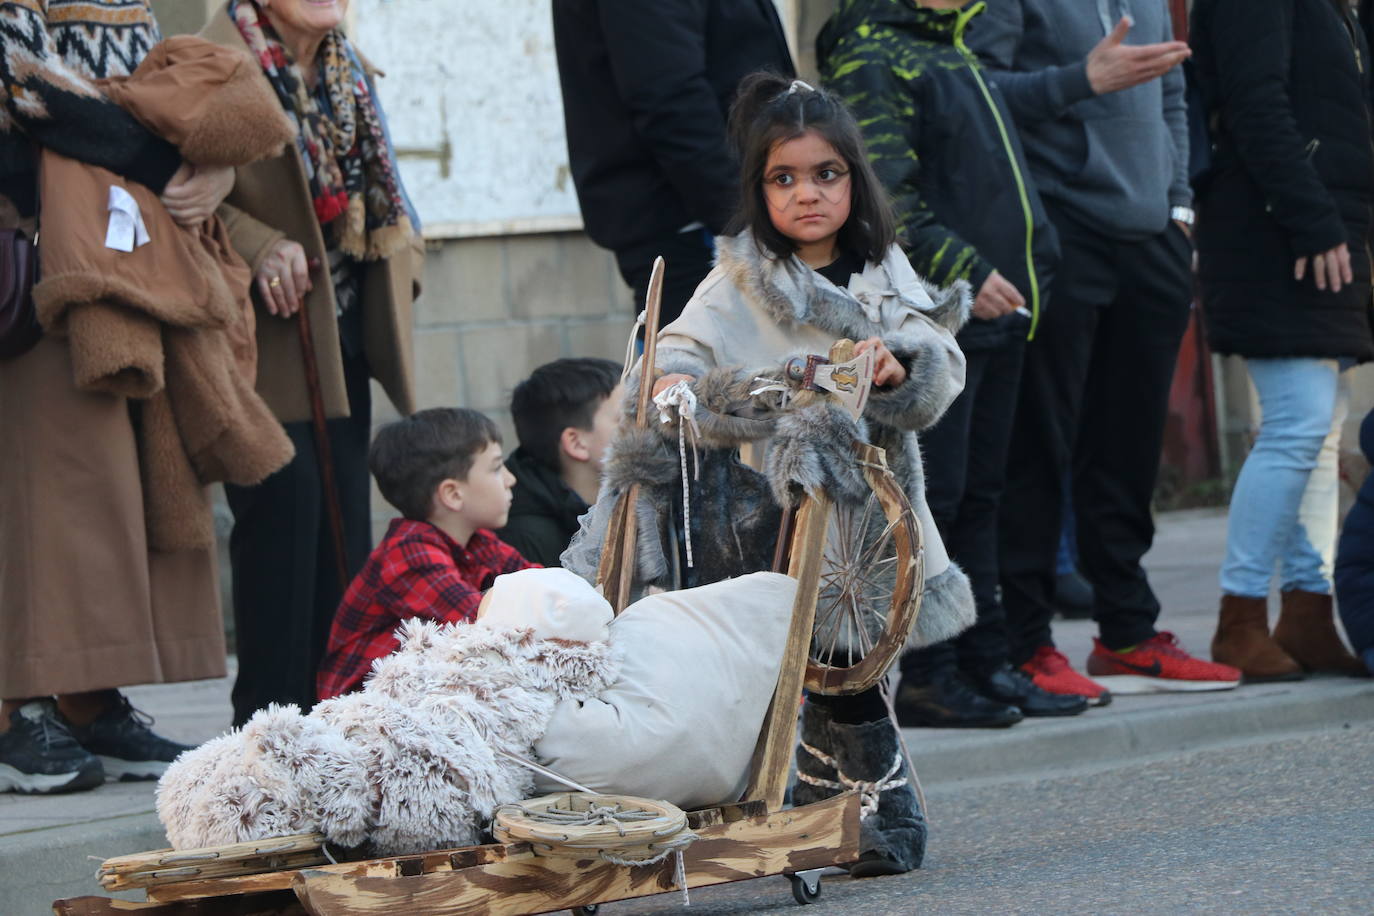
x=409 y=763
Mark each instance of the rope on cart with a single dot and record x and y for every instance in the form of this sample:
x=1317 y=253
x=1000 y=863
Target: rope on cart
x=868 y=791
x=684 y=400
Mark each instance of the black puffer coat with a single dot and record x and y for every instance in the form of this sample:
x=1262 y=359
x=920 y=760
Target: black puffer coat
x=1286 y=83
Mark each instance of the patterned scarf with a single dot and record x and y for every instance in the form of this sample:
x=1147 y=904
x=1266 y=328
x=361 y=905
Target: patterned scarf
x=348 y=161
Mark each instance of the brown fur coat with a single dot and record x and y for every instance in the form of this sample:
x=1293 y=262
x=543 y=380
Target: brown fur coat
x=170 y=323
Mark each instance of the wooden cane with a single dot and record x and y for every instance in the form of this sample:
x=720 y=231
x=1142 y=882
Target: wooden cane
x=323 y=455
x=618 y=562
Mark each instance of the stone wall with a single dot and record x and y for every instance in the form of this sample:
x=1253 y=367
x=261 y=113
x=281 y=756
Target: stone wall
x=495 y=308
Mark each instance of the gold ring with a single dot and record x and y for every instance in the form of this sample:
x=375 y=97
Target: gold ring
x=274 y=282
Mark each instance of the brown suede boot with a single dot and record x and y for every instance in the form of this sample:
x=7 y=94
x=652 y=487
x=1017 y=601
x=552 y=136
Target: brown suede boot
x=1243 y=641
x=1307 y=631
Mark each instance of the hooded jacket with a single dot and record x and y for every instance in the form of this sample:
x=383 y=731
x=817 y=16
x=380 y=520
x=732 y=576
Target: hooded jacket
x=543 y=511
x=1287 y=85
x=943 y=143
x=1117 y=162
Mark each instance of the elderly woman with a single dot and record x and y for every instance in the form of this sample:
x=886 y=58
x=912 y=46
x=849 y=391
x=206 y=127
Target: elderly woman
x=327 y=228
x=86 y=605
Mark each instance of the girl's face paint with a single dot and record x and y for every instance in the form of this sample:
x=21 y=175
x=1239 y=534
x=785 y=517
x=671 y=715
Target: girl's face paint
x=806 y=187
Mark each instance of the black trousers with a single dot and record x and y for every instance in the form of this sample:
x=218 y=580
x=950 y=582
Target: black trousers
x=965 y=457
x=1094 y=398
x=687 y=259
x=286 y=585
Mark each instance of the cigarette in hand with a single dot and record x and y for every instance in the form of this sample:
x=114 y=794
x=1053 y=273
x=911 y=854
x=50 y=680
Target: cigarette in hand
x=1023 y=311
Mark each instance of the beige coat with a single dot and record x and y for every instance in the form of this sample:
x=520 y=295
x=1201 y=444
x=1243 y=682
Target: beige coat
x=169 y=323
x=271 y=201
x=755 y=310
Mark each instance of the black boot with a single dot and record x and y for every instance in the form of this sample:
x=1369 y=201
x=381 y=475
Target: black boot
x=892 y=834
x=947 y=701
x=1013 y=686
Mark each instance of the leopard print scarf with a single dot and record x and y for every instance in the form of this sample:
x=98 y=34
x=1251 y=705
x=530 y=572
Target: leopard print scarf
x=348 y=160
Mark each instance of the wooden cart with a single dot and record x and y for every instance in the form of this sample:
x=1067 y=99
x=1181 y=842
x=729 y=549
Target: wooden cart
x=822 y=546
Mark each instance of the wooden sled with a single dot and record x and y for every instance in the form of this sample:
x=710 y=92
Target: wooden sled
x=752 y=839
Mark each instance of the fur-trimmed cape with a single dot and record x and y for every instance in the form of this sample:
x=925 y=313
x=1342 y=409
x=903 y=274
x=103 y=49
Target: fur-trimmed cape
x=751 y=314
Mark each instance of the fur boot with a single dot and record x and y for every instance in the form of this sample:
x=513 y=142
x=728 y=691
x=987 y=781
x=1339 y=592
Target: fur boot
x=834 y=756
x=1242 y=640
x=1307 y=631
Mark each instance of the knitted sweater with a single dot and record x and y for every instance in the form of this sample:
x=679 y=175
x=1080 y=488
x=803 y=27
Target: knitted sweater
x=51 y=52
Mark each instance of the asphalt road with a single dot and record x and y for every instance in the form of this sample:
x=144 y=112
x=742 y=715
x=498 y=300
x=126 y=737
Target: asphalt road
x=1283 y=826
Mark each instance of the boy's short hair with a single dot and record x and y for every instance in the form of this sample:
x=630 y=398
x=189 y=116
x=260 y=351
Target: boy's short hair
x=412 y=456
x=563 y=393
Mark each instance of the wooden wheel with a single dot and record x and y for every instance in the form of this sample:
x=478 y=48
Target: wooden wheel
x=871 y=578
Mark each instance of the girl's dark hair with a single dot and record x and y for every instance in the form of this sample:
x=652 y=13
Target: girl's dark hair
x=770 y=109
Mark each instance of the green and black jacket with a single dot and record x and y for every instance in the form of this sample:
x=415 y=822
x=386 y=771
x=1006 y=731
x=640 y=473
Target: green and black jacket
x=943 y=144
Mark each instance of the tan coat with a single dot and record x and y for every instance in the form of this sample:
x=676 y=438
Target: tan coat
x=271 y=200
x=170 y=322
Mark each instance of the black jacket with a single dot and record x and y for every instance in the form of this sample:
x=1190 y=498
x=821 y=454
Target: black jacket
x=1286 y=84
x=944 y=145
x=646 y=90
x=543 y=511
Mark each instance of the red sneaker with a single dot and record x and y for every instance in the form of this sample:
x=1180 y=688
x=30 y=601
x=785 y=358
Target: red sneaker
x=1158 y=665
x=1049 y=670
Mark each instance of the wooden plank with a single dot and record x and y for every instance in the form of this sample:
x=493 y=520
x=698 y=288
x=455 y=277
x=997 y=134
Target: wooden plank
x=172 y=858
x=813 y=836
x=277 y=903
x=442 y=860
x=773 y=755
x=211 y=870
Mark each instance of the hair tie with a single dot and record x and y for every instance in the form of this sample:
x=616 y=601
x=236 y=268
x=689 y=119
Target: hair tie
x=799 y=84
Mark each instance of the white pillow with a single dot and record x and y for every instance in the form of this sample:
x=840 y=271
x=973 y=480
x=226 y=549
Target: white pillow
x=697 y=671
x=555 y=602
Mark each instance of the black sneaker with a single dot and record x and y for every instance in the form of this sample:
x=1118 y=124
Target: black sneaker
x=949 y=702
x=39 y=756
x=1013 y=686
x=125 y=744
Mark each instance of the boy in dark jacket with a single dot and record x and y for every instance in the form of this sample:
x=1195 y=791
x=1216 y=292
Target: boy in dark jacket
x=942 y=142
x=565 y=415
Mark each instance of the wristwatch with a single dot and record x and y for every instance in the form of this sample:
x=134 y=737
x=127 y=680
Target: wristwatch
x=1183 y=214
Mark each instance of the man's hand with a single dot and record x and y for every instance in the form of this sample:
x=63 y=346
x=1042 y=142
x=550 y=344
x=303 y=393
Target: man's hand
x=1113 y=65
x=997 y=297
x=283 y=278
x=1329 y=268
x=195 y=191
x=887 y=369
x=668 y=381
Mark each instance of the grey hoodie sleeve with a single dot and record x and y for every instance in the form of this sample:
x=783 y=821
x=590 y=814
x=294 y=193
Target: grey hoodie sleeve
x=1176 y=117
x=1042 y=94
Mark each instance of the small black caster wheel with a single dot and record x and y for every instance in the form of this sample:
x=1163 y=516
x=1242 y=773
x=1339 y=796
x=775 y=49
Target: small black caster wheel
x=806 y=888
x=585 y=910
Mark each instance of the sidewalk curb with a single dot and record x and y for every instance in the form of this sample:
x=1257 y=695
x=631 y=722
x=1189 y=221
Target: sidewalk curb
x=39 y=866
x=1119 y=733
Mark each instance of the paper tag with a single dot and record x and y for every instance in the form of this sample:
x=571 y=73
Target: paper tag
x=849 y=381
x=126 y=230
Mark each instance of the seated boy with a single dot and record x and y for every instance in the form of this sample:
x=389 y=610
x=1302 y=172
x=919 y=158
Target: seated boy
x=565 y=414
x=442 y=470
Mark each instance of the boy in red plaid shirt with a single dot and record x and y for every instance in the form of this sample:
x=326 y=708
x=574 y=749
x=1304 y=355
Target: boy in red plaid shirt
x=443 y=470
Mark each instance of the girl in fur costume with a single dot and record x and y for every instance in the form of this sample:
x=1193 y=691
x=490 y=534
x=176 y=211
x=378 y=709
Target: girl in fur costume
x=813 y=258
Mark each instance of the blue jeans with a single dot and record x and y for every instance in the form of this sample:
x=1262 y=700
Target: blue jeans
x=1283 y=509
